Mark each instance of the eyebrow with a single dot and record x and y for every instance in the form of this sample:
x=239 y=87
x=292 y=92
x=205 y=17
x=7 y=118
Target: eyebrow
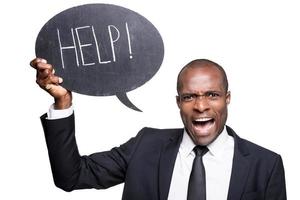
x=208 y=91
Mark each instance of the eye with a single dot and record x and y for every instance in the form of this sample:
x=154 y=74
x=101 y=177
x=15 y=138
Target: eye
x=187 y=97
x=212 y=95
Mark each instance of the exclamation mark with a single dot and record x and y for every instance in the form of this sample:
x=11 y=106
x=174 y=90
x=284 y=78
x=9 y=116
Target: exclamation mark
x=129 y=43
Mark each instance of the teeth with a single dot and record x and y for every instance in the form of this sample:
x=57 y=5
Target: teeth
x=205 y=119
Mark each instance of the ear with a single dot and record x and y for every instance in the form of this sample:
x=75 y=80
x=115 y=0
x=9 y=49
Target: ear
x=228 y=97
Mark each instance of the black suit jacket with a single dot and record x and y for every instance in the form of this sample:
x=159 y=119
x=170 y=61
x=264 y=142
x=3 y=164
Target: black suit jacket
x=145 y=164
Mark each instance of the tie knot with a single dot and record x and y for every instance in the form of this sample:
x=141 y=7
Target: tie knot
x=200 y=150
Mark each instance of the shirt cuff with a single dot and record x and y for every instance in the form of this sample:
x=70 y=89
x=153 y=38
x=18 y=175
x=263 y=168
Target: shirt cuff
x=53 y=114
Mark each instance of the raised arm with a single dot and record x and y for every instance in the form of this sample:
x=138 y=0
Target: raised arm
x=71 y=170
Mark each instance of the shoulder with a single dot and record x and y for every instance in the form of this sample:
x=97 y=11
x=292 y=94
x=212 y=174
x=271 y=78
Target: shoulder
x=149 y=130
x=155 y=133
x=150 y=141
x=150 y=136
x=254 y=150
x=258 y=150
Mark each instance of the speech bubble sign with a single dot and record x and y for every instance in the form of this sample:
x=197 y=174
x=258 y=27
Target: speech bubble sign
x=101 y=49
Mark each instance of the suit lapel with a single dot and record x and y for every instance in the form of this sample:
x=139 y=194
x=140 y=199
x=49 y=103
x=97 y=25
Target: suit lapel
x=240 y=167
x=167 y=162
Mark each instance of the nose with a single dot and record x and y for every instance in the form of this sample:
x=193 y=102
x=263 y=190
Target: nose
x=201 y=104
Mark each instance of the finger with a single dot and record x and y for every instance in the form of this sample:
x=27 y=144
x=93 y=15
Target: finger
x=55 y=90
x=49 y=86
x=43 y=74
x=35 y=61
x=43 y=80
x=40 y=64
x=55 y=80
x=44 y=71
x=43 y=66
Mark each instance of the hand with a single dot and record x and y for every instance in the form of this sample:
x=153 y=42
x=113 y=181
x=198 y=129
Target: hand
x=49 y=82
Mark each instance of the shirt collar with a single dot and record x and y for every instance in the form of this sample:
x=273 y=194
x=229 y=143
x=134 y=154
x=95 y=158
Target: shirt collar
x=215 y=148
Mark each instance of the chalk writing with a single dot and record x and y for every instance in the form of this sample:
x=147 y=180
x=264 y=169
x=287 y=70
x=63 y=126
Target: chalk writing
x=79 y=46
x=67 y=47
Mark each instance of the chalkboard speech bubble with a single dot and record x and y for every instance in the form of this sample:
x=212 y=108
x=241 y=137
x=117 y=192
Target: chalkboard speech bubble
x=101 y=49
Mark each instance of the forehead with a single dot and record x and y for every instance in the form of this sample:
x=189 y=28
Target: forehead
x=201 y=79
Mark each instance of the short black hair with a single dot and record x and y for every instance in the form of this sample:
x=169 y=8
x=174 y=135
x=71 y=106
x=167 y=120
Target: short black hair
x=203 y=63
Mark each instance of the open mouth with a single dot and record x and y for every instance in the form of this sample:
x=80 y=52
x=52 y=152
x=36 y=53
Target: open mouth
x=203 y=123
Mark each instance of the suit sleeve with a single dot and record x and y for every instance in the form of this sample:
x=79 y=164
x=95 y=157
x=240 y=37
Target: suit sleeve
x=72 y=171
x=276 y=189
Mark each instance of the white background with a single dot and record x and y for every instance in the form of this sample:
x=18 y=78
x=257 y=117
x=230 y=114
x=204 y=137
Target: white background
x=257 y=42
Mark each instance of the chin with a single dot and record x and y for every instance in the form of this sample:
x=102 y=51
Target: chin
x=205 y=140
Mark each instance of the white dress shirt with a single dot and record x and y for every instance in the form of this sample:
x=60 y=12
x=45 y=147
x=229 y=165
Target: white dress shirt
x=217 y=162
x=59 y=114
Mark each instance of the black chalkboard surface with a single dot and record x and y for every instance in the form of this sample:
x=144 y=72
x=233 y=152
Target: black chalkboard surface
x=101 y=49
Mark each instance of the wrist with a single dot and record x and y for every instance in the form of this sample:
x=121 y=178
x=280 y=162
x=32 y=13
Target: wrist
x=63 y=102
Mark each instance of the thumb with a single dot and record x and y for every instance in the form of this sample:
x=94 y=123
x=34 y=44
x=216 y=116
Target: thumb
x=56 y=91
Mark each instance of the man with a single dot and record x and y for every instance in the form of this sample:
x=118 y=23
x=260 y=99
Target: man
x=157 y=163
